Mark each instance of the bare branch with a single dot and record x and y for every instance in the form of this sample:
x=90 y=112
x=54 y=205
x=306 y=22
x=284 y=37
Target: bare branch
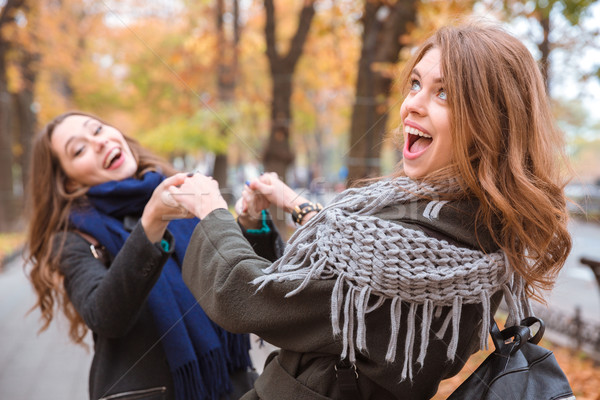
x=304 y=23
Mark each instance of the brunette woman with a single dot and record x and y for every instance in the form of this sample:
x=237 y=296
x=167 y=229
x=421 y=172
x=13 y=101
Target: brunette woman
x=390 y=288
x=105 y=248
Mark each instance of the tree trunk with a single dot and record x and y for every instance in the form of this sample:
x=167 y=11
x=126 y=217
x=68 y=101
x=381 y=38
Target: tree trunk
x=7 y=203
x=545 y=47
x=25 y=115
x=278 y=155
x=227 y=74
x=384 y=24
x=6 y=159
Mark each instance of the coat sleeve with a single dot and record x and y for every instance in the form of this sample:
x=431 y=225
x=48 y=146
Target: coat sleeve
x=110 y=299
x=219 y=267
x=268 y=245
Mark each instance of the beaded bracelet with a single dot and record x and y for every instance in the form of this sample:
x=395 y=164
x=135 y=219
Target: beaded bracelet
x=300 y=211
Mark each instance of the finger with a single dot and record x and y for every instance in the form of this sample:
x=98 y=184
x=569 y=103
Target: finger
x=261 y=187
x=252 y=185
x=176 y=179
x=262 y=201
x=178 y=193
x=239 y=206
x=246 y=196
x=168 y=199
x=265 y=178
x=269 y=177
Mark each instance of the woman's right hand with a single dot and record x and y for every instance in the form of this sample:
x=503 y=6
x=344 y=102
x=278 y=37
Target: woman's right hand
x=162 y=208
x=276 y=192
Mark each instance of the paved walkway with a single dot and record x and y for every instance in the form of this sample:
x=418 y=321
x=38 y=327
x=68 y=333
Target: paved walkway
x=32 y=366
x=46 y=366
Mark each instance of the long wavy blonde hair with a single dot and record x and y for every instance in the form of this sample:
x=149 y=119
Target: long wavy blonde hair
x=508 y=152
x=49 y=208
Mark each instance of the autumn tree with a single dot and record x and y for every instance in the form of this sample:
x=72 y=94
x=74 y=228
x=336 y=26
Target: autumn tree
x=542 y=13
x=384 y=24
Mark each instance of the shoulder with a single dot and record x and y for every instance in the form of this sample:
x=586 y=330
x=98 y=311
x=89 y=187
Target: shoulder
x=68 y=241
x=77 y=244
x=454 y=221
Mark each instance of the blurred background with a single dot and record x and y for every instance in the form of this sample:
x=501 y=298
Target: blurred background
x=305 y=88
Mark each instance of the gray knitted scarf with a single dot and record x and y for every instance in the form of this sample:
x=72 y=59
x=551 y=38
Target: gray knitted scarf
x=373 y=260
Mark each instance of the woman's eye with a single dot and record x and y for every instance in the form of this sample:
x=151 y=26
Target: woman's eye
x=97 y=130
x=442 y=94
x=415 y=85
x=78 y=151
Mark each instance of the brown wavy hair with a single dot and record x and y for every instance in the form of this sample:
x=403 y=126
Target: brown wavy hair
x=508 y=152
x=49 y=208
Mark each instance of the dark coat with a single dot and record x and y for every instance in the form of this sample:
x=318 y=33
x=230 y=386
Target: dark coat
x=112 y=302
x=220 y=264
x=129 y=361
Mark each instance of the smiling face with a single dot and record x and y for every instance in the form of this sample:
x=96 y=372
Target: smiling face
x=426 y=119
x=90 y=152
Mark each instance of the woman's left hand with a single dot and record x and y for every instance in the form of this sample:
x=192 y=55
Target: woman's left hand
x=249 y=208
x=199 y=194
x=161 y=209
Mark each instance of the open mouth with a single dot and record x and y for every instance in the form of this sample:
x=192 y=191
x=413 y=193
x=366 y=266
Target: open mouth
x=418 y=141
x=112 y=157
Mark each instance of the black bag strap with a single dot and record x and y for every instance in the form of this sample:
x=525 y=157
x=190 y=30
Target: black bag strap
x=520 y=334
x=347 y=378
x=529 y=321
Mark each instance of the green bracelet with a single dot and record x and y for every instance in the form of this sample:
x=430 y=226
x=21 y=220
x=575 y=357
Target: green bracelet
x=165 y=245
x=265 y=228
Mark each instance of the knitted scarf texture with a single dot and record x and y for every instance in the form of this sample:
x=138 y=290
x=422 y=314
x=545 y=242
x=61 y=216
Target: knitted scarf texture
x=200 y=354
x=373 y=260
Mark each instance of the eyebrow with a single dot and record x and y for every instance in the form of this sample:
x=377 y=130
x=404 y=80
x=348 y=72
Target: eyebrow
x=436 y=80
x=69 y=140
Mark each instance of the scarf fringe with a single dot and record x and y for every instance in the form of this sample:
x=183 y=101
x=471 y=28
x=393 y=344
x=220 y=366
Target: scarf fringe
x=352 y=307
x=188 y=382
x=373 y=260
x=349 y=311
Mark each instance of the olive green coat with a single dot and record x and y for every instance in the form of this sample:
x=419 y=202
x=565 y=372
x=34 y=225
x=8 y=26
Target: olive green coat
x=220 y=264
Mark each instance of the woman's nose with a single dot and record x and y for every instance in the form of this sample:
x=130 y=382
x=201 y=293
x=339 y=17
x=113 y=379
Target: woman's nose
x=99 y=142
x=416 y=103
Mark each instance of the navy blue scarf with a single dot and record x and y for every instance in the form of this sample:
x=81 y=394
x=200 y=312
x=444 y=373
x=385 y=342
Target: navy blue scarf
x=200 y=353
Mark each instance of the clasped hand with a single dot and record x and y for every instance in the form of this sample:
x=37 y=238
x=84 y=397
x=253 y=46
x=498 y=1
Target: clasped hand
x=200 y=195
